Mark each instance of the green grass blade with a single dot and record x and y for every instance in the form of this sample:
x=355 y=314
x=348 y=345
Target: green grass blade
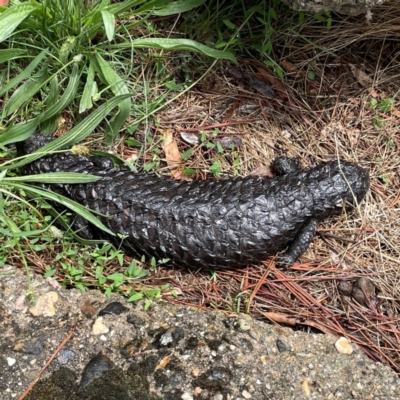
x=19 y=132
x=151 y=5
x=26 y=91
x=183 y=44
x=76 y=134
x=125 y=5
x=12 y=17
x=26 y=73
x=47 y=127
x=55 y=177
x=118 y=87
x=86 y=99
x=72 y=205
x=9 y=54
x=109 y=24
x=68 y=95
x=177 y=7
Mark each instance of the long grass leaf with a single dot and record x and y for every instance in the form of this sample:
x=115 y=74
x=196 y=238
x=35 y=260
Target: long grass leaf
x=183 y=44
x=76 y=134
x=86 y=99
x=19 y=132
x=11 y=18
x=177 y=7
x=9 y=54
x=122 y=6
x=68 y=95
x=72 y=205
x=26 y=73
x=26 y=91
x=55 y=177
x=109 y=24
x=118 y=87
x=49 y=125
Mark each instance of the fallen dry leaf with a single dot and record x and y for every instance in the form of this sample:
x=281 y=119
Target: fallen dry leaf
x=261 y=171
x=172 y=154
x=362 y=78
x=288 y=66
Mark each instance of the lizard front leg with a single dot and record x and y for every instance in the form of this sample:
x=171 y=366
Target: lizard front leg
x=299 y=245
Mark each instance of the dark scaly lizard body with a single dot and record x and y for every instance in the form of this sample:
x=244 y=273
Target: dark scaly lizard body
x=225 y=223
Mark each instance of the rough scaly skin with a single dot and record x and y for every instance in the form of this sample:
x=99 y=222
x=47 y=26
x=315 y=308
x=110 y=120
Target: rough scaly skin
x=225 y=223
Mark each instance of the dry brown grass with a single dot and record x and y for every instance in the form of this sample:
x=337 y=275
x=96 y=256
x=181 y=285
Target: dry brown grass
x=319 y=119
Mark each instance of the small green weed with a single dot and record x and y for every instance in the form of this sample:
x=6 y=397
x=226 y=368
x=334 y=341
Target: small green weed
x=382 y=107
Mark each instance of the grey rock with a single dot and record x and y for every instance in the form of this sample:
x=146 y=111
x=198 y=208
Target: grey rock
x=209 y=355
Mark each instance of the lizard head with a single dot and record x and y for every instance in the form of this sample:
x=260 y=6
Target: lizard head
x=339 y=184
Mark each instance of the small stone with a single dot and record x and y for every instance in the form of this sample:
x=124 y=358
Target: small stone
x=281 y=346
x=135 y=320
x=45 y=305
x=345 y=288
x=99 y=328
x=197 y=391
x=171 y=337
x=195 y=372
x=33 y=346
x=343 y=346
x=246 y=394
x=115 y=308
x=20 y=303
x=214 y=378
x=264 y=360
x=11 y=361
x=244 y=325
x=363 y=290
x=88 y=309
x=187 y=396
x=306 y=387
x=94 y=368
x=64 y=355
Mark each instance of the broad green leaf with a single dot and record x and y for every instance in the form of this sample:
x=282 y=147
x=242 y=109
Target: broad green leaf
x=12 y=17
x=9 y=54
x=182 y=44
x=86 y=99
x=19 y=132
x=76 y=134
x=177 y=7
x=26 y=73
x=26 y=91
x=118 y=87
x=109 y=24
x=72 y=205
x=56 y=177
x=136 y=297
